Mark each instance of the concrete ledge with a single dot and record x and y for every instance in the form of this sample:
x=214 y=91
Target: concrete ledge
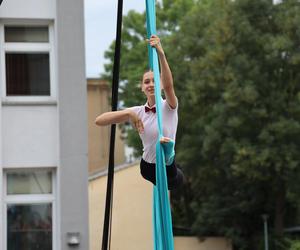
x=102 y=173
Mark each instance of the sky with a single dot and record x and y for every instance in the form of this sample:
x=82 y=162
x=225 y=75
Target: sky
x=100 y=30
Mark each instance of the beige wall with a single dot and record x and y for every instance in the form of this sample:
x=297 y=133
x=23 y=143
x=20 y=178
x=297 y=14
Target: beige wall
x=98 y=137
x=209 y=243
x=132 y=215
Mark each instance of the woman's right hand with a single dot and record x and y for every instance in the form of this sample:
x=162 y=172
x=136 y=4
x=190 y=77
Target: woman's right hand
x=154 y=41
x=136 y=122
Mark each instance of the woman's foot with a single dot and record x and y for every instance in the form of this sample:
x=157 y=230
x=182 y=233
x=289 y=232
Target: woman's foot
x=168 y=146
x=164 y=139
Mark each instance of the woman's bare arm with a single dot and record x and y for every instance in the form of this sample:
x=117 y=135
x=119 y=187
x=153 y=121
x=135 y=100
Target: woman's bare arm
x=166 y=73
x=120 y=116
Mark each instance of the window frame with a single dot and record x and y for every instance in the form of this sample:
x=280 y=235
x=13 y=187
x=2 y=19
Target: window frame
x=28 y=47
x=28 y=199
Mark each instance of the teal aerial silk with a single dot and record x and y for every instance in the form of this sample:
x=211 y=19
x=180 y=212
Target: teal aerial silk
x=162 y=221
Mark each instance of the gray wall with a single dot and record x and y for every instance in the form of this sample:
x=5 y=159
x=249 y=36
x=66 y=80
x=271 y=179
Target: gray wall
x=72 y=108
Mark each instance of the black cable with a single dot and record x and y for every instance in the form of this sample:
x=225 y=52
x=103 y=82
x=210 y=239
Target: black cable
x=1 y=2
x=114 y=103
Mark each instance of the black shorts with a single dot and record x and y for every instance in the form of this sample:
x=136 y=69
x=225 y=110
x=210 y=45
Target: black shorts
x=174 y=174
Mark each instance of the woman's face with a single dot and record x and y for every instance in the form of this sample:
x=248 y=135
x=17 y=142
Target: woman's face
x=148 y=84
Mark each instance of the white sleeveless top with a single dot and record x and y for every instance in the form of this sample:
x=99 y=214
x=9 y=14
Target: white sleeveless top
x=150 y=134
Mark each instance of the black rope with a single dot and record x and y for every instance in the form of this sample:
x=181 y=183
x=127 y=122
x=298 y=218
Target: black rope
x=106 y=237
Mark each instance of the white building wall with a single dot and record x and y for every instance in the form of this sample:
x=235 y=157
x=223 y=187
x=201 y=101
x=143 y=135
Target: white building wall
x=50 y=131
x=1 y=178
x=29 y=136
x=72 y=103
x=38 y=9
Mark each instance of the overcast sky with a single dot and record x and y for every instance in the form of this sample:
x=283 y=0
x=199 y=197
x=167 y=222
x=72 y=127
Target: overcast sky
x=100 y=30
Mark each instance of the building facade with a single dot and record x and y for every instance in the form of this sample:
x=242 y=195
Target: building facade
x=43 y=126
x=98 y=93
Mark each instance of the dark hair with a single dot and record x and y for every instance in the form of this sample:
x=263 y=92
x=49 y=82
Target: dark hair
x=146 y=71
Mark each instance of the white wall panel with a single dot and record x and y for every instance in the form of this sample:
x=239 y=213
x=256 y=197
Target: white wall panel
x=29 y=136
x=44 y=9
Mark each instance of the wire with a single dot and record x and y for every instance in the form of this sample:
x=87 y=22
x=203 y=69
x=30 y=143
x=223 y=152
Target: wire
x=106 y=236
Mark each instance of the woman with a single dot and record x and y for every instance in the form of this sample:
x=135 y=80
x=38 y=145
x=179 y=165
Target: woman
x=143 y=118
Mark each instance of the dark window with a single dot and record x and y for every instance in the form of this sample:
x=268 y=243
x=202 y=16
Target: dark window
x=27 y=34
x=27 y=74
x=29 y=227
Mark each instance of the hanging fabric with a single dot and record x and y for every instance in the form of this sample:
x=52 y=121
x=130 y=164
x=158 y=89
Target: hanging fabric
x=162 y=221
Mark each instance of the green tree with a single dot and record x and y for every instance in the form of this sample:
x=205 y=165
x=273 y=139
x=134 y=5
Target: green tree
x=241 y=150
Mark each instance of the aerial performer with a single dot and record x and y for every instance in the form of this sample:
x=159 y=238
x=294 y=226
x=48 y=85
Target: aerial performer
x=144 y=120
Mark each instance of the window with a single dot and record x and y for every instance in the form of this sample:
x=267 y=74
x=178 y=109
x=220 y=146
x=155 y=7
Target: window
x=27 y=63
x=29 y=182
x=29 y=227
x=29 y=209
x=27 y=74
x=26 y=34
